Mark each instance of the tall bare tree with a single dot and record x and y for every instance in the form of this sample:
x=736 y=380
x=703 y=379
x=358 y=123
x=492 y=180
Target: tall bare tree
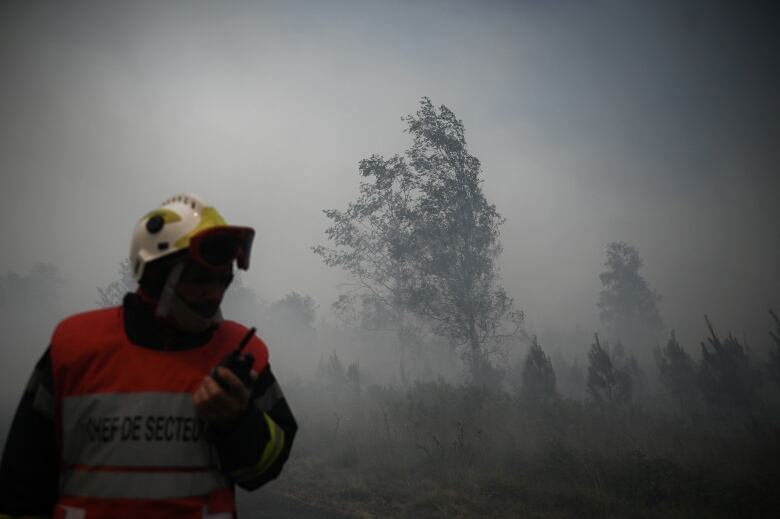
x=423 y=240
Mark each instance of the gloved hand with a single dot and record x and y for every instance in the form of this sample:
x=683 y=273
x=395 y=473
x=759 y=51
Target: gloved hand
x=222 y=405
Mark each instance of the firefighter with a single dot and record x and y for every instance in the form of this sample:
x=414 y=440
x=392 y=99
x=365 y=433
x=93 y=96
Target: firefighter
x=132 y=410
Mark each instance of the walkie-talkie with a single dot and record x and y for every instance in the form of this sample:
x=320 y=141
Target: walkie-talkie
x=237 y=362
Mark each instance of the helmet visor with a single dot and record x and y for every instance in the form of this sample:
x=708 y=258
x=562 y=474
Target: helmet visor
x=217 y=247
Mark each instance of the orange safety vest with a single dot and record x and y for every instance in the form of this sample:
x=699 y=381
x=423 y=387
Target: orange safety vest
x=130 y=442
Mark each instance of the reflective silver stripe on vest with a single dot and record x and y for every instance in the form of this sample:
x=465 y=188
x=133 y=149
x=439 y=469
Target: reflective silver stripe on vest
x=146 y=429
x=140 y=485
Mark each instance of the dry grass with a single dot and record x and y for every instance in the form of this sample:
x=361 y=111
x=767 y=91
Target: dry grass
x=442 y=451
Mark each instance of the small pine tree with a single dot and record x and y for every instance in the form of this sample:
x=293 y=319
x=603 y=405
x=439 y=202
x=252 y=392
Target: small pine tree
x=333 y=376
x=605 y=382
x=627 y=363
x=577 y=380
x=774 y=354
x=569 y=378
x=678 y=372
x=353 y=377
x=726 y=378
x=538 y=379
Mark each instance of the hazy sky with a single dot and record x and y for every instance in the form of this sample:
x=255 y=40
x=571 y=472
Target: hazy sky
x=651 y=122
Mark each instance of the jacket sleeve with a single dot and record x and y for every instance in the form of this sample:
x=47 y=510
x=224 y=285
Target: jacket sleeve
x=29 y=473
x=255 y=451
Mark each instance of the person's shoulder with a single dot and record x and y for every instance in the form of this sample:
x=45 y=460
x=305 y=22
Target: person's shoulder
x=91 y=321
x=235 y=328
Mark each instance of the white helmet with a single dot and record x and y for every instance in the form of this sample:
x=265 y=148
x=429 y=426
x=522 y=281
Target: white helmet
x=171 y=227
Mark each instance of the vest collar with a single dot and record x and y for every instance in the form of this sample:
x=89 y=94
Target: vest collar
x=144 y=329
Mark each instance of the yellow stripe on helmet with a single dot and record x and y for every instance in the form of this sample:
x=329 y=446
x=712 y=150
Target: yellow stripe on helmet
x=168 y=216
x=209 y=218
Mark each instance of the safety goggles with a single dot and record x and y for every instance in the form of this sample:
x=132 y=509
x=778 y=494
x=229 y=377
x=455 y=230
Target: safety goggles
x=217 y=247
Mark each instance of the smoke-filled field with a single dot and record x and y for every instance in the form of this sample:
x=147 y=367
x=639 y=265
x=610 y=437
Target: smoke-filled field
x=441 y=450
x=433 y=447
x=511 y=259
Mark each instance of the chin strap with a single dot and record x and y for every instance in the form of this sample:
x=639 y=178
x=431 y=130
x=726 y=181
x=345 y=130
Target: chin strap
x=172 y=308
